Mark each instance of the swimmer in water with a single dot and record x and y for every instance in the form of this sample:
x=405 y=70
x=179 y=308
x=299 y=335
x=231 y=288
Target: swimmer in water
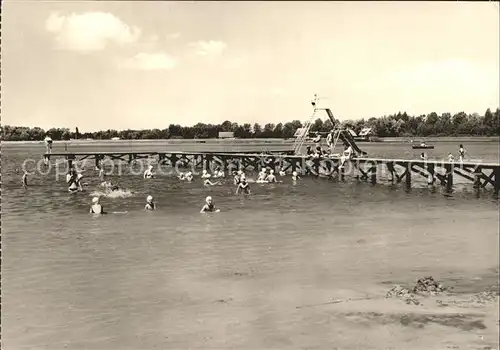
x=148 y=174
x=243 y=185
x=271 y=177
x=73 y=181
x=295 y=176
x=96 y=207
x=221 y=173
x=189 y=176
x=450 y=157
x=181 y=176
x=150 y=204
x=101 y=174
x=262 y=175
x=423 y=156
x=25 y=179
x=236 y=178
x=282 y=172
x=205 y=175
x=209 y=206
x=207 y=182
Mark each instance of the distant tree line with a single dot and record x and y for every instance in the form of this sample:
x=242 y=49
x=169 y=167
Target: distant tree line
x=396 y=125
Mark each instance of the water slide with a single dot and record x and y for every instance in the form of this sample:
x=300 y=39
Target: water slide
x=346 y=138
x=344 y=135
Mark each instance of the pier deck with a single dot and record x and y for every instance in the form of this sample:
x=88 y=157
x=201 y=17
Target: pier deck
x=479 y=174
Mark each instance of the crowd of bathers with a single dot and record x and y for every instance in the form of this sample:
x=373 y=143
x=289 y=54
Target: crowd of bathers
x=74 y=180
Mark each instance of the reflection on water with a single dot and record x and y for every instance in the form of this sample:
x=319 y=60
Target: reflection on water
x=175 y=278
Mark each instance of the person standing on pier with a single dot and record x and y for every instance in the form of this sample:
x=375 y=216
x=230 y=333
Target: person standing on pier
x=348 y=154
x=48 y=144
x=461 y=153
x=329 y=141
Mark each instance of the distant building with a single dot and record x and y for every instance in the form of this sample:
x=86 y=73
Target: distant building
x=365 y=132
x=352 y=132
x=226 y=135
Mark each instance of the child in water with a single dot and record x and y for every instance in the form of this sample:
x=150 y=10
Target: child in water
x=96 y=207
x=150 y=204
x=282 y=172
x=271 y=177
x=25 y=179
x=189 y=176
x=236 y=178
x=295 y=176
x=209 y=206
x=205 y=175
x=148 y=174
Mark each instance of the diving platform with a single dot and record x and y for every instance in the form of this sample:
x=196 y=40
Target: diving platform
x=373 y=170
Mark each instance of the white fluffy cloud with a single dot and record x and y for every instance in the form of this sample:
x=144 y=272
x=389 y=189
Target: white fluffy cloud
x=210 y=48
x=150 y=61
x=90 y=31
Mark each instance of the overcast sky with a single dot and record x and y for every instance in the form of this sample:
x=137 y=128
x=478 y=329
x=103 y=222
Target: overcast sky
x=100 y=65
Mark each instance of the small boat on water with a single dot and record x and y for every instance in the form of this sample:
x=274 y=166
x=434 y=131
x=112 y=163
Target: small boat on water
x=422 y=145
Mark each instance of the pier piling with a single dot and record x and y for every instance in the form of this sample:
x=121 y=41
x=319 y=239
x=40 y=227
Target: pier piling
x=480 y=174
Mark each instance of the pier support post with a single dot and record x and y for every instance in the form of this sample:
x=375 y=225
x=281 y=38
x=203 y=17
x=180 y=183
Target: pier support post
x=293 y=161
x=316 y=162
x=161 y=158
x=477 y=178
x=449 y=177
x=408 y=175
x=97 y=159
x=431 y=171
x=373 y=173
x=341 y=170
x=390 y=168
x=208 y=162
x=70 y=158
x=496 y=181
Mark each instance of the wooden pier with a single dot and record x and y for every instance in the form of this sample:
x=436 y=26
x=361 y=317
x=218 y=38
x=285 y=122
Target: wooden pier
x=478 y=174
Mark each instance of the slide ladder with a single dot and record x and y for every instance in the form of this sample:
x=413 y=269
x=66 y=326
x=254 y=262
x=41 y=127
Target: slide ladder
x=304 y=132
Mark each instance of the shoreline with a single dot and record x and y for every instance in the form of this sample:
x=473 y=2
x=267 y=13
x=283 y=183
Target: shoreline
x=429 y=139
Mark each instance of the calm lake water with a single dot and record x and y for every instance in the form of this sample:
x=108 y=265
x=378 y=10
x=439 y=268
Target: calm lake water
x=175 y=278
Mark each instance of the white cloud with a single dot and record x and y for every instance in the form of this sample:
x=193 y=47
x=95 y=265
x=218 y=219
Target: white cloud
x=150 y=61
x=210 y=48
x=90 y=31
x=174 y=36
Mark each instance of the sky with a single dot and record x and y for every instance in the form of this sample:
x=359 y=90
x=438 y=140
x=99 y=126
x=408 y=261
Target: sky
x=118 y=65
